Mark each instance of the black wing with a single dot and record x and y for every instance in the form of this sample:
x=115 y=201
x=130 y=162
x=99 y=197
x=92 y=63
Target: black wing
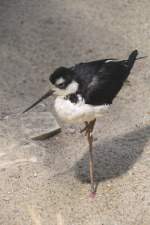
x=84 y=72
x=100 y=81
x=106 y=83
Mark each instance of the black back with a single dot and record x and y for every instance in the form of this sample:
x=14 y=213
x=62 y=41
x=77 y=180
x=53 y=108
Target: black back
x=100 y=81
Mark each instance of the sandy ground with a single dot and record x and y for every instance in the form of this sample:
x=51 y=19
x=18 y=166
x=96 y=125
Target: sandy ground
x=46 y=183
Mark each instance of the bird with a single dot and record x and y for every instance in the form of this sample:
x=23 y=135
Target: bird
x=85 y=92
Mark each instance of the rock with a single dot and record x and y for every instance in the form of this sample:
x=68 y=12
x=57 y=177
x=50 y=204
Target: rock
x=6 y=198
x=146 y=119
x=35 y=174
x=39 y=125
x=71 y=130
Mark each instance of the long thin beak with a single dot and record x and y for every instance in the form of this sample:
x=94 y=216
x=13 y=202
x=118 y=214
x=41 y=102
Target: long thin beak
x=46 y=95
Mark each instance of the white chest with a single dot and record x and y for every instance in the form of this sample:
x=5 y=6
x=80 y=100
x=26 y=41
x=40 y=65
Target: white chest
x=78 y=112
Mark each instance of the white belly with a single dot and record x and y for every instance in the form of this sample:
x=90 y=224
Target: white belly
x=78 y=112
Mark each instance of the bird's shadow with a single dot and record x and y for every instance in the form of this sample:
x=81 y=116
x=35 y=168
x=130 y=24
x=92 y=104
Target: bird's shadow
x=113 y=157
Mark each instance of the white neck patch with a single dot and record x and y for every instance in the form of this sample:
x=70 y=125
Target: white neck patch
x=70 y=89
x=60 y=81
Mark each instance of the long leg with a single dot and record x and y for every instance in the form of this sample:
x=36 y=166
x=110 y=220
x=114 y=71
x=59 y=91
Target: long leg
x=89 y=130
x=85 y=128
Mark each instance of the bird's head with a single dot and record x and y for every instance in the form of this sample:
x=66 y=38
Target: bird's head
x=62 y=82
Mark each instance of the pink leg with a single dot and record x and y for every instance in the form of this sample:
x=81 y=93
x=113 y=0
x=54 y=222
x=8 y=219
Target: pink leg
x=89 y=130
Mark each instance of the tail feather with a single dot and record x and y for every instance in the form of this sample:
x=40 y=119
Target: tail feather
x=131 y=59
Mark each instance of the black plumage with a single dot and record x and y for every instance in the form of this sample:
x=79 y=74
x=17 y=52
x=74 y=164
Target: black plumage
x=101 y=80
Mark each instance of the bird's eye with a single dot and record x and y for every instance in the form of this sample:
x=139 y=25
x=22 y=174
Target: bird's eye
x=62 y=85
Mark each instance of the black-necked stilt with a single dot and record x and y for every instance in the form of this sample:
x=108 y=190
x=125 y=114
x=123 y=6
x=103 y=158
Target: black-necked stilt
x=86 y=91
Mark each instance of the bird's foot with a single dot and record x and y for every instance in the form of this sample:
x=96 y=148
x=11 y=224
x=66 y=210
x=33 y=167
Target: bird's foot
x=84 y=129
x=92 y=195
x=88 y=127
